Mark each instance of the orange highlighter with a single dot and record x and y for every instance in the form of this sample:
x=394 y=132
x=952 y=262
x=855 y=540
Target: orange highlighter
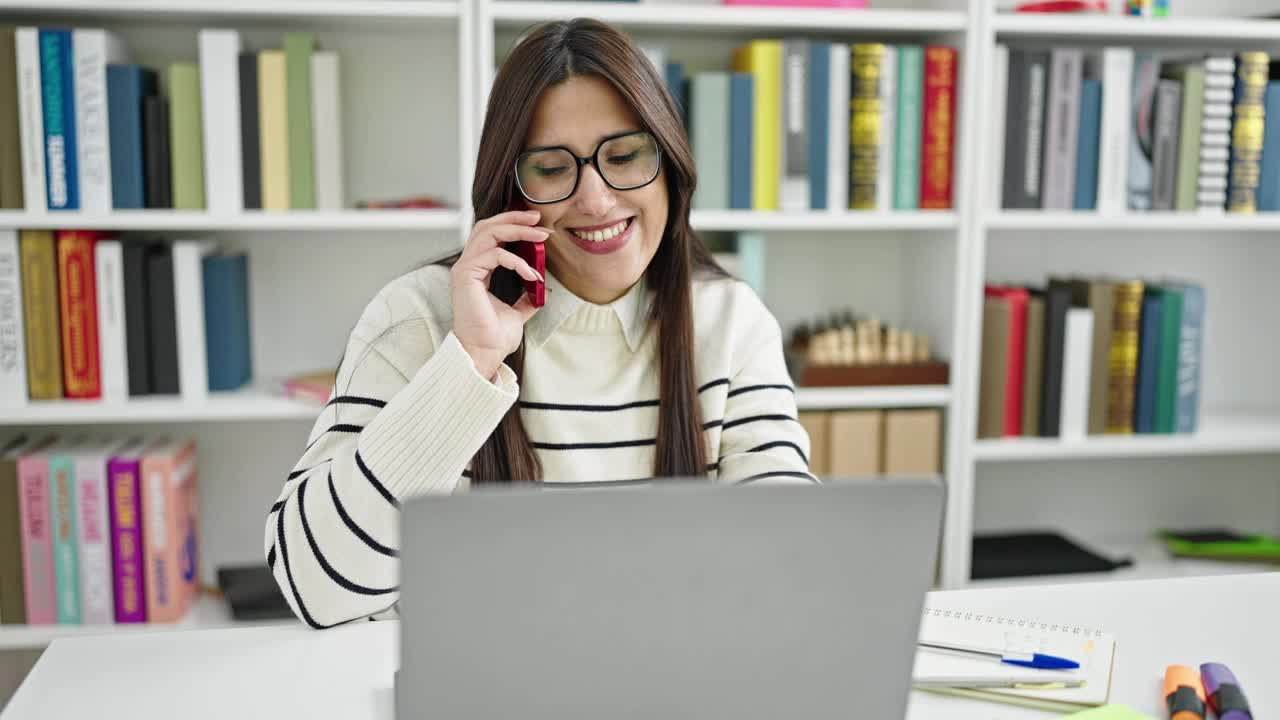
x=1183 y=693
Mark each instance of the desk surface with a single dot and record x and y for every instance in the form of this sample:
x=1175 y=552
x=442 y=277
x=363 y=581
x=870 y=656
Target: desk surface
x=290 y=671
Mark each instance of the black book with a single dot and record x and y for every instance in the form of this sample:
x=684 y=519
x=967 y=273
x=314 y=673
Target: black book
x=164 y=323
x=137 y=321
x=251 y=159
x=1024 y=128
x=155 y=131
x=1057 y=301
x=1034 y=553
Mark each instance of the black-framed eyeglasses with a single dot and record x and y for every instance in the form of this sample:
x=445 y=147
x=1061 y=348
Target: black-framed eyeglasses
x=626 y=161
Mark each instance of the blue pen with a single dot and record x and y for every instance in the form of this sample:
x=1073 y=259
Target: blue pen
x=1039 y=661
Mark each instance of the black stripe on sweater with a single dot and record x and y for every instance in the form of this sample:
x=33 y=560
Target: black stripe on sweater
x=288 y=572
x=353 y=527
x=612 y=445
x=333 y=574
x=777 y=473
x=356 y=400
x=713 y=383
x=276 y=507
x=339 y=428
x=756 y=418
x=299 y=473
x=377 y=484
x=271 y=557
x=754 y=388
x=780 y=443
x=529 y=405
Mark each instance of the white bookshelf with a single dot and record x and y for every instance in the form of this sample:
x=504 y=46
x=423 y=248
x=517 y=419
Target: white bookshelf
x=251 y=405
x=835 y=398
x=248 y=221
x=1162 y=222
x=843 y=222
x=1118 y=30
x=255 y=10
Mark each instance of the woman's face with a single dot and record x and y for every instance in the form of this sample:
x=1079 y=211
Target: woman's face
x=578 y=114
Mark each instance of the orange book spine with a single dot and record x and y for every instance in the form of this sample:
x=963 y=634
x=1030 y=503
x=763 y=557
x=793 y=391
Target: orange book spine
x=78 y=305
x=938 y=136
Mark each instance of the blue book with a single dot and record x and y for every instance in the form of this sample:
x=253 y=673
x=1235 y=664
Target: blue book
x=1144 y=405
x=1086 y=195
x=126 y=86
x=226 y=320
x=1190 y=345
x=740 y=118
x=819 y=103
x=1269 y=185
x=58 y=91
x=65 y=535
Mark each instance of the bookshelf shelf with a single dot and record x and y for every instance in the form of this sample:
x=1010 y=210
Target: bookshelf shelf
x=205 y=10
x=1138 y=30
x=837 y=398
x=240 y=406
x=1135 y=222
x=1221 y=433
x=247 y=221
x=740 y=220
x=207 y=613
x=717 y=18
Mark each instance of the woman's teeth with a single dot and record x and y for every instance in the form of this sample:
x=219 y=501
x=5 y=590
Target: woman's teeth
x=601 y=235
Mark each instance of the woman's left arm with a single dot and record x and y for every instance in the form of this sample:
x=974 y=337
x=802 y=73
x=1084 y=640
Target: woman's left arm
x=761 y=439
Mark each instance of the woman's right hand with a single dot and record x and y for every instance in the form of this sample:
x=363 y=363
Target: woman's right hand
x=487 y=328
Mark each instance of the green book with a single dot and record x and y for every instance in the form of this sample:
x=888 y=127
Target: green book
x=298 y=47
x=1166 y=416
x=709 y=126
x=906 y=170
x=62 y=529
x=1192 y=77
x=186 y=139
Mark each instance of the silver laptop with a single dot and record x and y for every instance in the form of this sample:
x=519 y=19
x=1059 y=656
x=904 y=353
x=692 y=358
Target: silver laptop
x=682 y=600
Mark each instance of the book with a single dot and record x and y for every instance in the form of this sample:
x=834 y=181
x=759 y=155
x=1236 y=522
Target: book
x=1094 y=651
x=1164 y=162
x=298 y=47
x=63 y=533
x=709 y=136
x=326 y=118
x=1033 y=365
x=93 y=51
x=1076 y=365
x=818 y=99
x=864 y=125
x=1215 y=142
x=97 y=604
x=124 y=482
x=998 y=129
x=740 y=141
x=31 y=118
x=162 y=331
x=127 y=85
x=907 y=136
x=189 y=308
x=186 y=141
x=1023 y=140
x=1269 y=163
x=1189 y=129
x=169 y=496
x=313 y=387
x=1086 y=189
x=13 y=605
x=939 y=125
x=993 y=387
x=219 y=73
x=762 y=59
x=78 y=303
x=250 y=148
x=1247 y=126
x=838 y=130
x=11 y=193
x=1062 y=127
x=157 y=158
x=1144 y=410
x=113 y=357
x=1146 y=68
x=13 y=342
x=137 y=324
x=38 y=580
x=226 y=320
x=1190 y=347
x=40 y=314
x=1057 y=302
x=794 y=140
x=1114 y=137
x=1016 y=339
x=1121 y=389
x=57 y=77
x=888 y=128
x=1166 y=400
x=912 y=442
x=273 y=129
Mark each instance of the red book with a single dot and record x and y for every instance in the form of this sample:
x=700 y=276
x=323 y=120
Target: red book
x=78 y=305
x=1017 y=299
x=938 y=127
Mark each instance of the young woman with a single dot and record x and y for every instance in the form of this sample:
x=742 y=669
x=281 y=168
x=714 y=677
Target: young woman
x=646 y=361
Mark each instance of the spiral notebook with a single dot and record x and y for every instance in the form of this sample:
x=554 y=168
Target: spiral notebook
x=1093 y=649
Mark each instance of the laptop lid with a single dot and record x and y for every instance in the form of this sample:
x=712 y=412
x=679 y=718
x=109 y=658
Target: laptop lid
x=676 y=601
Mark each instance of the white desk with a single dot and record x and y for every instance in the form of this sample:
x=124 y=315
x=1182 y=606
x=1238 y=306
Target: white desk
x=290 y=671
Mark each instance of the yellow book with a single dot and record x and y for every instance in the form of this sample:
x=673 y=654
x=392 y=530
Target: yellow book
x=41 y=315
x=864 y=125
x=273 y=132
x=763 y=60
x=1121 y=390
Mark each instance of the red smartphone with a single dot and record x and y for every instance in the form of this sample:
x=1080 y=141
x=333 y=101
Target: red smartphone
x=534 y=253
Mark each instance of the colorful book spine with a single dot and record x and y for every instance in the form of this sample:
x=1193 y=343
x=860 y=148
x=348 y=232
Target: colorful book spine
x=1121 y=392
x=274 y=130
x=79 y=308
x=1189 y=129
x=13 y=603
x=817 y=106
x=186 y=141
x=93 y=533
x=58 y=95
x=709 y=136
x=939 y=127
x=1144 y=410
x=864 y=125
x=1146 y=68
x=11 y=197
x=888 y=128
x=129 y=577
x=741 y=142
x=40 y=313
x=13 y=342
x=1269 y=165
x=1018 y=300
x=1248 y=123
x=31 y=118
x=169 y=511
x=1062 y=127
x=127 y=85
x=1086 y=190
x=1190 y=346
x=39 y=583
x=93 y=51
x=1167 y=373
x=66 y=550
x=763 y=60
x=795 y=126
x=298 y=47
x=907 y=138
x=220 y=103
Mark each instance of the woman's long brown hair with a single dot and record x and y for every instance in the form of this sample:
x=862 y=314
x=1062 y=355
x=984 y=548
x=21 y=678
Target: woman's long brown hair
x=551 y=54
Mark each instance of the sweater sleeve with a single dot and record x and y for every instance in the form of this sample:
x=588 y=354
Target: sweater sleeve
x=390 y=432
x=762 y=439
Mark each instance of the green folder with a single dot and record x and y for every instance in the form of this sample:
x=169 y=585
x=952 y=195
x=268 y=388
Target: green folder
x=298 y=47
x=1222 y=545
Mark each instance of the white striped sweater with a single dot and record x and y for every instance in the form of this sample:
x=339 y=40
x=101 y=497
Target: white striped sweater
x=409 y=411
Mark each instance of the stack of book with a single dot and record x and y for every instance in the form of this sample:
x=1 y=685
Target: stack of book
x=1182 y=131
x=1086 y=356
x=803 y=124
x=237 y=130
x=78 y=543
x=89 y=316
